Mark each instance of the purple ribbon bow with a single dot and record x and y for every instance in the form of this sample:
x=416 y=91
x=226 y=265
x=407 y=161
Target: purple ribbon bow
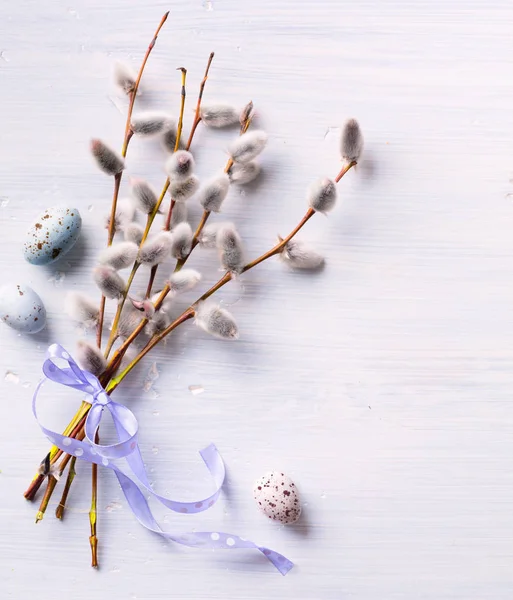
x=134 y=478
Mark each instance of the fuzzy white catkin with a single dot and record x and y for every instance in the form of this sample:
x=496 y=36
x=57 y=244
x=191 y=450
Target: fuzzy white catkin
x=352 y=141
x=134 y=233
x=179 y=214
x=109 y=161
x=144 y=195
x=82 y=309
x=182 y=190
x=110 y=283
x=322 y=195
x=243 y=173
x=182 y=240
x=219 y=115
x=248 y=146
x=90 y=358
x=128 y=320
x=125 y=213
x=156 y=249
x=183 y=281
x=157 y=324
x=213 y=193
x=208 y=235
x=119 y=256
x=169 y=140
x=299 y=255
x=217 y=321
x=124 y=77
x=147 y=124
x=180 y=165
x=230 y=249
x=145 y=307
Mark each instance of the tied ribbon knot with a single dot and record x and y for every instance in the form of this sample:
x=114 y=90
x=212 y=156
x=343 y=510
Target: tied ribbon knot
x=125 y=459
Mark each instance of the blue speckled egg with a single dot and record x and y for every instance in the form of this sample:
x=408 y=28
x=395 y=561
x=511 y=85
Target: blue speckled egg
x=21 y=308
x=53 y=234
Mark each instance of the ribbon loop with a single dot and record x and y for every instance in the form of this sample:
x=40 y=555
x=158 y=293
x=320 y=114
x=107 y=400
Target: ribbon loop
x=135 y=479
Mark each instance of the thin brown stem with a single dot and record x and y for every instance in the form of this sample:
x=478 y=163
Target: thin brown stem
x=246 y=117
x=344 y=170
x=52 y=482
x=59 y=511
x=167 y=224
x=188 y=314
x=117 y=178
x=197 y=116
x=197 y=119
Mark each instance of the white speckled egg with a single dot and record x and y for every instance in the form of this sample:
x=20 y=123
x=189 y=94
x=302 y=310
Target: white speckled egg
x=21 y=308
x=52 y=234
x=277 y=497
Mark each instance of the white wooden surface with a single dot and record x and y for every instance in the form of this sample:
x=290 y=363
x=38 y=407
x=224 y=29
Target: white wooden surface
x=381 y=385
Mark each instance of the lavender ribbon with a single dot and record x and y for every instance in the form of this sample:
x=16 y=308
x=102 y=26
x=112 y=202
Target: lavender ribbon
x=133 y=480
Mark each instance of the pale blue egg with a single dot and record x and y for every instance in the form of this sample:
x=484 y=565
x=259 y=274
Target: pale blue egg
x=53 y=234
x=21 y=308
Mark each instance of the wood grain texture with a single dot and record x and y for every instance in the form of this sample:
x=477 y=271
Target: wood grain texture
x=382 y=385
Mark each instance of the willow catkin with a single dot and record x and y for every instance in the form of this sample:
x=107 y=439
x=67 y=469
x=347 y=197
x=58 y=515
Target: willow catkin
x=182 y=241
x=158 y=323
x=219 y=115
x=169 y=140
x=124 y=77
x=90 y=358
x=322 y=195
x=213 y=193
x=243 y=173
x=134 y=233
x=351 y=143
x=298 y=255
x=180 y=165
x=124 y=215
x=144 y=195
x=231 y=251
x=156 y=249
x=208 y=236
x=247 y=146
x=128 y=320
x=145 y=307
x=119 y=256
x=82 y=309
x=109 y=282
x=107 y=159
x=182 y=190
x=148 y=124
x=216 y=320
x=183 y=281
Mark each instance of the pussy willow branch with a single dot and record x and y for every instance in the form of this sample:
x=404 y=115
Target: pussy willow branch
x=79 y=418
x=246 y=122
x=186 y=315
x=120 y=352
x=154 y=269
x=38 y=479
x=189 y=312
x=117 y=178
x=149 y=223
x=197 y=120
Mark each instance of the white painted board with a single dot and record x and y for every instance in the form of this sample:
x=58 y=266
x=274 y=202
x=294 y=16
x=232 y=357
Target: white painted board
x=381 y=385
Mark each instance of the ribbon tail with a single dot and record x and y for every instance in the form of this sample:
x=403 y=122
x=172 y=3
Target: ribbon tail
x=206 y=539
